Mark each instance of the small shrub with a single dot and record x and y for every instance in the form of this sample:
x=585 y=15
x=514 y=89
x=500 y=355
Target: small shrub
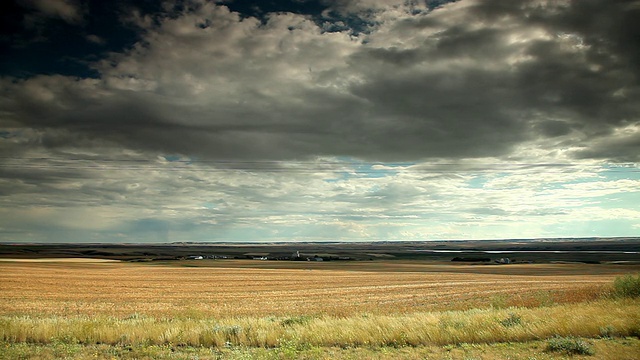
x=569 y=345
x=134 y=316
x=627 y=286
x=296 y=320
x=608 y=332
x=512 y=320
x=231 y=333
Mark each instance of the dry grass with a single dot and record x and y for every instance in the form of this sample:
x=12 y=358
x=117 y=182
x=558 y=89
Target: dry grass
x=121 y=289
x=432 y=328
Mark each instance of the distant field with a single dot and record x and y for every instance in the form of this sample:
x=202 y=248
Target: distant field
x=616 y=250
x=252 y=288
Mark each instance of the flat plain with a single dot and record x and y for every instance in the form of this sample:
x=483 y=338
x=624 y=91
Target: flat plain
x=255 y=288
x=386 y=308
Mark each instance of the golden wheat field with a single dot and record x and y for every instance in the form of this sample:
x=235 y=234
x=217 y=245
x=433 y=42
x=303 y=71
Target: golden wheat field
x=235 y=288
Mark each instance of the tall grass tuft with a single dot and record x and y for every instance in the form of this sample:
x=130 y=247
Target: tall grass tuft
x=627 y=286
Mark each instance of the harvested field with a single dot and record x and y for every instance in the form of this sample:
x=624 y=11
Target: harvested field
x=265 y=310
x=235 y=288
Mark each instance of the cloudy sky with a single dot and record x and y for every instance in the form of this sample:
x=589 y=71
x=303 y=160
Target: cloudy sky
x=303 y=120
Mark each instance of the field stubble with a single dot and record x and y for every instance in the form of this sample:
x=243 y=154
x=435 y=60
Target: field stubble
x=121 y=289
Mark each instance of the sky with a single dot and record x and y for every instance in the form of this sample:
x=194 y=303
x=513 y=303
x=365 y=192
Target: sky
x=318 y=120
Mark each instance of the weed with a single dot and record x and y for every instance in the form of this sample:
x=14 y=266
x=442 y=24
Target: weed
x=512 y=320
x=134 y=316
x=296 y=320
x=289 y=348
x=608 y=332
x=569 y=345
x=231 y=333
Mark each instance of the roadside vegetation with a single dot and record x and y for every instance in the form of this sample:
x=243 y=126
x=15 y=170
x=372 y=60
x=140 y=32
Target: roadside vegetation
x=475 y=326
x=604 y=349
x=603 y=322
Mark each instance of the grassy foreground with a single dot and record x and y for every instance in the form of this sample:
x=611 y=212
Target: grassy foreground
x=603 y=348
x=613 y=326
x=610 y=317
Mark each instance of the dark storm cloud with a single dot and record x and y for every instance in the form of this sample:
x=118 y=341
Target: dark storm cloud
x=443 y=115
x=580 y=77
x=468 y=79
x=553 y=128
